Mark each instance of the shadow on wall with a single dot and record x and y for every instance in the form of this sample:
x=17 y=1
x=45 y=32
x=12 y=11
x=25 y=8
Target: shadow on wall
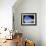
x=14 y=11
x=17 y=4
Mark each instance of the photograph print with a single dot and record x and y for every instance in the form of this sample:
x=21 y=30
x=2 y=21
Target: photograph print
x=28 y=19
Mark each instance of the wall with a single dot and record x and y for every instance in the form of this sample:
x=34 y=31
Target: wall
x=28 y=6
x=6 y=13
x=43 y=22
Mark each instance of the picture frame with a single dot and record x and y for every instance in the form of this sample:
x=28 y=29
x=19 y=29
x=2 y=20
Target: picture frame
x=29 y=19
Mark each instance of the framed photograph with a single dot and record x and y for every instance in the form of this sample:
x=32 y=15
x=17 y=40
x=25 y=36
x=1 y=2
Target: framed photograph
x=28 y=19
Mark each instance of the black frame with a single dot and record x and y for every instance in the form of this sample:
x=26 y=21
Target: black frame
x=35 y=14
